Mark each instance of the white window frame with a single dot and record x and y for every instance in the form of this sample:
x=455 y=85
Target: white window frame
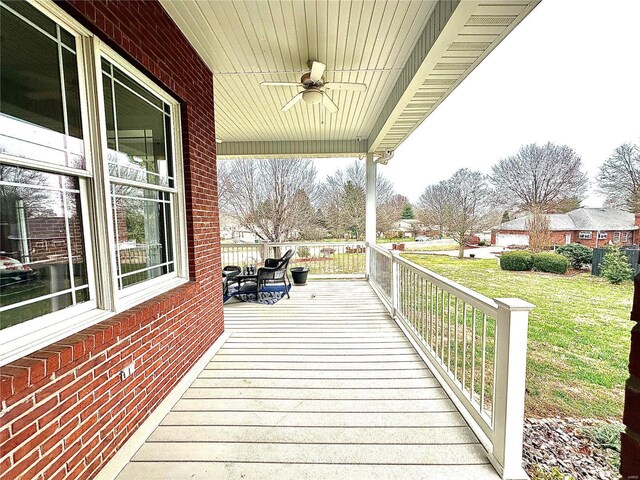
x=584 y=235
x=132 y=295
x=21 y=339
x=617 y=237
x=603 y=235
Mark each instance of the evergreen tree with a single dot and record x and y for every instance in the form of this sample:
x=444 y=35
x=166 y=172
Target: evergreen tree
x=407 y=212
x=505 y=216
x=615 y=266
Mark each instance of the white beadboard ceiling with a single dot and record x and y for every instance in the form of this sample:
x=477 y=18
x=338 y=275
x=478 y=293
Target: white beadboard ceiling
x=410 y=53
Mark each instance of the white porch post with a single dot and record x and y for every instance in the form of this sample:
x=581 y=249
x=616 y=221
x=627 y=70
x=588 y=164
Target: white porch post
x=370 y=209
x=370 y=216
x=511 y=366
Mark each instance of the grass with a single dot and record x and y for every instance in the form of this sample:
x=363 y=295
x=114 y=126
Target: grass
x=395 y=240
x=336 y=263
x=578 y=334
x=437 y=248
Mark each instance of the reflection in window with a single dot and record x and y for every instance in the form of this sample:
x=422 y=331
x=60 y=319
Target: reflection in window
x=138 y=130
x=40 y=98
x=42 y=258
x=142 y=226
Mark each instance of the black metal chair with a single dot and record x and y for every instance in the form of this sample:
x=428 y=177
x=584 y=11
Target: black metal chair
x=273 y=272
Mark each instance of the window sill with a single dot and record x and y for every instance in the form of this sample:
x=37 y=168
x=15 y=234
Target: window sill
x=20 y=340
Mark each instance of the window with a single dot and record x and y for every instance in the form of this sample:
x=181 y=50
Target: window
x=68 y=219
x=585 y=235
x=626 y=237
x=616 y=237
x=602 y=235
x=141 y=174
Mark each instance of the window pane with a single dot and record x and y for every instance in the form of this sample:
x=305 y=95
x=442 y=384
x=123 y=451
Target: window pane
x=142 y=225
x=136 y=132
x=31 y=88
x=34 y=16
x=41 y=244
x=32 y=104
x=36 y=309
x=72 y=92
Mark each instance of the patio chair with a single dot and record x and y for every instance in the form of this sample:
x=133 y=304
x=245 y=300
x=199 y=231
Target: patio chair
x=273 y=272
x=228 y=277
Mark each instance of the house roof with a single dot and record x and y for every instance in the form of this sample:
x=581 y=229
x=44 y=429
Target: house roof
x=580 y=219
x=410 y=54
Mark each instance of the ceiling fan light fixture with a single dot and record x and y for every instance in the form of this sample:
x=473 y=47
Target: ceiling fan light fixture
x=312 y=96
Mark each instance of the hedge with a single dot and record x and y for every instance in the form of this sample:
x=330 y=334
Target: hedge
x=550 y=263
x=519 y=260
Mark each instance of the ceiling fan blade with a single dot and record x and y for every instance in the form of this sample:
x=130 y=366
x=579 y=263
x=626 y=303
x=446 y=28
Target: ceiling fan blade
x=328 y=104
x=292 y=102
x=280 y=84
x=355 y=87
x=317 y=70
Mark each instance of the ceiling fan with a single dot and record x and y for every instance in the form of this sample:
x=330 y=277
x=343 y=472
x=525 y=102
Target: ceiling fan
x=314 y=86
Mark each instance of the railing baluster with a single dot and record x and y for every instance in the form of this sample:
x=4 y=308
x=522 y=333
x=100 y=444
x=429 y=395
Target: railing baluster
x=455 y=368
x=442 y=324
x=448 y=331
x=484 y=351
x=473 y=351
x=464 y=344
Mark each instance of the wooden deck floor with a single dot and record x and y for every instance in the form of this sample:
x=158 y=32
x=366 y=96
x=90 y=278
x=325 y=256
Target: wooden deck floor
x=321 y=386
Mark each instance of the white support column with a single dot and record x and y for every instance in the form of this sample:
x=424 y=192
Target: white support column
x=370 y=216
x=511 y=367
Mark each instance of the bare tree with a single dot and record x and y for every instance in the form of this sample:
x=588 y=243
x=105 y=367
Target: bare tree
x=433 y=205
x=389 y=212
x=344 y=199
x=540 y=177
x=539 y=233
x=619 y=178
x=467 y=200
x=272 y=198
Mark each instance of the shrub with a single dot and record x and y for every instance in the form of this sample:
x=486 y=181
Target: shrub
x=303 y=252
x=577 y=254
x=520 y=261
x=550 y=263
x=615 y=266
x=544 y=473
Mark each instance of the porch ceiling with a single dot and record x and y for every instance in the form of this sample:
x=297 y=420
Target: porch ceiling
x=410 y=53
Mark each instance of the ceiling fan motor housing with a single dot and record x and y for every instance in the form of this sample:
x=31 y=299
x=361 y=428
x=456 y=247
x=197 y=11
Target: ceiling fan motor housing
x=306 y=81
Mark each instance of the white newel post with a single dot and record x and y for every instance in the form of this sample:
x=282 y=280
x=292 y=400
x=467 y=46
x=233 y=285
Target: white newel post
x=370 y=232
x=511 y=367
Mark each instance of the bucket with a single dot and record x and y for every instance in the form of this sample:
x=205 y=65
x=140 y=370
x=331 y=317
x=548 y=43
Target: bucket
x=299 y=275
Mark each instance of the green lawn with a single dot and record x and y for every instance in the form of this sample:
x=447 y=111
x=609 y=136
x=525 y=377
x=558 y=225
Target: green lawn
x=578 y=334
x=395 y=240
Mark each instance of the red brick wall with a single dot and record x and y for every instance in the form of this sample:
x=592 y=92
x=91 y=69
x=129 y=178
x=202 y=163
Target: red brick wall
x=65 y=411
x=630 y=453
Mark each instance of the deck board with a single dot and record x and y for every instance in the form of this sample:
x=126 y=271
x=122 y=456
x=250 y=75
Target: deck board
x=320 y=386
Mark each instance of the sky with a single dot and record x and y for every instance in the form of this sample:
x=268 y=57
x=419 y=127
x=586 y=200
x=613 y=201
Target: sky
x=569 y=74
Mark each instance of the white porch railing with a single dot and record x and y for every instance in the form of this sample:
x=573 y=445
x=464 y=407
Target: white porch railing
x=324 y=259
x=475 y=345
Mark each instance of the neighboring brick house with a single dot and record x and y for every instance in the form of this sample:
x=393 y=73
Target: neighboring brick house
x=592 y=227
